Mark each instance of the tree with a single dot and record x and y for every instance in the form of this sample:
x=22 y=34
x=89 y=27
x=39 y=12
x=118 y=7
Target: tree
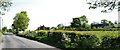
x=4 y=6
x=110 y=23
x=108 y=5
x=4 y=29
x=43 y=28
x=84 y=21
x=10 y=30
x=53 y=28
x=115 y=22
x=76 y=23
x=60 y=26
x=79 y=22
x=104 y=21
x=20 y=22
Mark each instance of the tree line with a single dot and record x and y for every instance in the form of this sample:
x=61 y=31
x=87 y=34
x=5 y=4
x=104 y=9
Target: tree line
x=77 y=23
x=81 y=23
x=21 y=23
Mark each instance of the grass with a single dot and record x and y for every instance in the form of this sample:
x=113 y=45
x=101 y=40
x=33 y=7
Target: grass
x=100 y=34
x=86 y=32
x=0 y=34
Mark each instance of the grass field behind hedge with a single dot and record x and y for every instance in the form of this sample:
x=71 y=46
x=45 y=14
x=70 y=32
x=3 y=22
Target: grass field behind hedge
x=98 y=33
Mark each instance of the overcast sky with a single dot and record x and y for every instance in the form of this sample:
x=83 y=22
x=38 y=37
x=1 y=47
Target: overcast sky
x=53 y=12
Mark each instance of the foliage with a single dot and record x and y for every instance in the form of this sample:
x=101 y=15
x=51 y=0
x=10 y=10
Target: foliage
x=4 y=29
x=104 y=21
x=109 y=42
x=108 y=5
x=20 y=21
x=75 y=39
x=43 y=28
x=9 y=30
x=88 y=41
x=60 y=26
x=110 y=23
x=4 y=6
x=79 y=22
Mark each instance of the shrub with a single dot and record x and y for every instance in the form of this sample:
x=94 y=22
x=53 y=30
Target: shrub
x=88 y=41
x=110 y=42
x=76 y=39
x=55 y=38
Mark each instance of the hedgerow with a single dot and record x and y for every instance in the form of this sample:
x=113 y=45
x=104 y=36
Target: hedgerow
x=76 y=39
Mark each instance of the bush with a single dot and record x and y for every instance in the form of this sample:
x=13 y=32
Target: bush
x=88 y=41
x=100 y=29
x=110 y=42
x=75 y=39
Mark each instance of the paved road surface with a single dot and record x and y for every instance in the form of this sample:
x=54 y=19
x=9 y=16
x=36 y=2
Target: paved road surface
x=12 y=41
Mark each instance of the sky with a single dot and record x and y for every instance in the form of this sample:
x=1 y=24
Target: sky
x=53 y=12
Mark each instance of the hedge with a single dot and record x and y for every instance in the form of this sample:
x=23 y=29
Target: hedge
x=100 y=29
x=76 y=39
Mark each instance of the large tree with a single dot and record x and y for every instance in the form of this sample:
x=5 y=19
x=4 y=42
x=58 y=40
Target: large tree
x=108 y=5
x=4 y=6
x=76 y=23
x=84 y=21
x=79 y=22
x=20 y=21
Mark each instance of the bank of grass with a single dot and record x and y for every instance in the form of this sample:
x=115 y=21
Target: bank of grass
x=75 y=39
x=1 y=37
x=1 y=33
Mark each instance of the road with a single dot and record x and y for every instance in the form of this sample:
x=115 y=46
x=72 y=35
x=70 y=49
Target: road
x=13 y=41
